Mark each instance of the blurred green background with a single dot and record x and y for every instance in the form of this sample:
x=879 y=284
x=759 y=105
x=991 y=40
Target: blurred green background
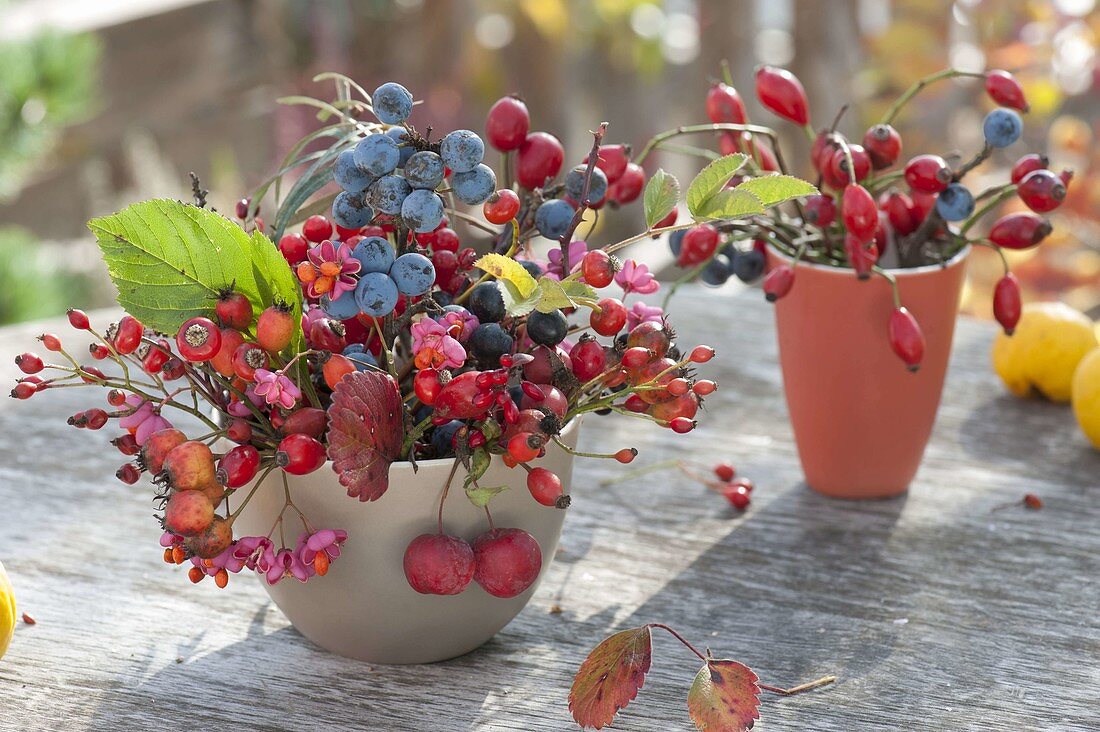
x=104 y=103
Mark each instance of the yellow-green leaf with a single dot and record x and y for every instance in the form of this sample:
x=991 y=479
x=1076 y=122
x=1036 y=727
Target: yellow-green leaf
x=480 y=497
x=610 y=677
x=731 y=204
x=724 y=696
x=662 y=193
x=509 y=270
x=775 y=189
x=711 y=180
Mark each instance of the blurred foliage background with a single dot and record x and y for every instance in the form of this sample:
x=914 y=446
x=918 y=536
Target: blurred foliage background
x=104 y=103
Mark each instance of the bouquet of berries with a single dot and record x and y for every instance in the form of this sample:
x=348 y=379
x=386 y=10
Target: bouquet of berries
x=872 y=216
x=373 y=335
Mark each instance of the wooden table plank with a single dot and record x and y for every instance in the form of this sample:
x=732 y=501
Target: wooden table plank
x=934 y=612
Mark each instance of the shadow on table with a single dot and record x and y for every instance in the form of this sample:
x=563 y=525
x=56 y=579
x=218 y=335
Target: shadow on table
x=1036 y=437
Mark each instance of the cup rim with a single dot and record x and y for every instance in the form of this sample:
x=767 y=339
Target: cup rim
x=899 y=272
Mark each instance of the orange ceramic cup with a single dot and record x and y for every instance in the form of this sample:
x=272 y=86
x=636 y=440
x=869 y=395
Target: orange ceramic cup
x=861 y=419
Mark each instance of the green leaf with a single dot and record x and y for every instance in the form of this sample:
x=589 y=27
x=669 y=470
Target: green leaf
x=479 y=463
x=775 y=189
x=711 y=180
x=480 y=497
x=731 y=204
x=556 y=295
x=610 y=677
x=724 y=696
x=169 y=260
x=508 y=270
x=516 y=304
x=662 y=193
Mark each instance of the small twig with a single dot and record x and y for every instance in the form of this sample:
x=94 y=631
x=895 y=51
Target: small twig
x=824 y=680
x=578 y=215
x=197 y=191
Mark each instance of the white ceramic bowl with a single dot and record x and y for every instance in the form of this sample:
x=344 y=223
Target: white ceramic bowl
x=364 y=607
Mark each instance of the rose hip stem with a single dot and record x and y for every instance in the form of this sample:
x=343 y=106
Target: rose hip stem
x=918 y=85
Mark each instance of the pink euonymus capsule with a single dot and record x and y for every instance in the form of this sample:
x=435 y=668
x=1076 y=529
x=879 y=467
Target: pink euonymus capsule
x=906 y=338
x=1007 y=304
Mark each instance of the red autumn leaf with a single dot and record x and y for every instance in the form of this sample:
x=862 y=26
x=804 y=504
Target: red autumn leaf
x=365 y=432
x=724 y=697
x=610 y=677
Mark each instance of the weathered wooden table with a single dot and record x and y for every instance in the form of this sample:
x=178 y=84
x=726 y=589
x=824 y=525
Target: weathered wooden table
x=935 y=612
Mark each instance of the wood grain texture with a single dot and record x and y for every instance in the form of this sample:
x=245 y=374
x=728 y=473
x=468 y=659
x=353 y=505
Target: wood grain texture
x=935 y=612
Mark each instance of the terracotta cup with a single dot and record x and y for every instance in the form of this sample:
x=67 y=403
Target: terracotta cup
x=862 y=420
x=364 y=607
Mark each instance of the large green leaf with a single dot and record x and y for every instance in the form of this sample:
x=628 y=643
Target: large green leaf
x=662 y=193
x=775 y=189
x=169 y=260
x=731 y=203
x=711 y=180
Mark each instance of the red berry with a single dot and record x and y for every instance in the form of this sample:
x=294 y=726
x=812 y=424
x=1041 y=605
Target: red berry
x=437 y=564
x=1027 y=164
x=682 y=425
x=238 y=466
x=427 y=386
x=445 y=239
x=546 y=488
x=701 y=354
x=95 y=419
x=927 y=173
x=128 y=335
x=823 y=147
x=704 y=387
x=744 y=483
x=234 y=310
x=883 y=144
x=906 y=338
x=737 y=496
x=300 y=454
x=782 y=94
x=778 y=282
x=90 y=375
x=78 y=319
x=126 y=444
x=588 y=358
x=612 y=160
x=239 y=431
x=899 y=211
x=275 y=328
x=698 y=245
x=1007 y=304
x=507 y=124
x=99 y=351
x=316 y=229
x=836 y=171
x=508 y=561
x=525 y=447
x=328 y=335
x=247 y=358
x=198 y=339
x=553 y=400
x=820 y=209
x=335 y=368
x=29 y=363
x=1019 y=230
x=128 y=474
x=501 y=207
x=188 y=513
x=861 y=255
x=294 y=248
x=311 y=421
x=610 y=318
x=626 y=455
x=668 y=220
x=724 y=105
x=1041 y=191
x=158 y=446
x=859 y=212
x=1032 y=501
x=24 y=390
x=628 y=187
x=598 y=268
x=50 y=342
x=539 y=159
x=1003 y=89
x=725 y=472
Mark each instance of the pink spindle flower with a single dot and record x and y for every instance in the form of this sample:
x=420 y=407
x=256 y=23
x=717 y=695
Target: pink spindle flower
x=434 y=347
x=227 y=560
x=319 y=549
x=256 y=552
x=459 y=323
x=635 y=277
x=329 y=269
x=144 y=420
x=276 y=388
x=287 y=564
x=310 y=315
x=169 y=540
x=642 y=313
x=577 y=250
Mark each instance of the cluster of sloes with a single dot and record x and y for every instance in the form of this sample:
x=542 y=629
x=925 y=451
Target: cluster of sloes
x=383 y=277
x=395 y=174
x=692 y=247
